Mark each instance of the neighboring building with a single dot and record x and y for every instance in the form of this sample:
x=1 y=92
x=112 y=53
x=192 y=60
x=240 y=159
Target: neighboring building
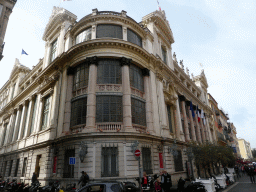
x=6 y=7
x=245 y=149
x=105 y=82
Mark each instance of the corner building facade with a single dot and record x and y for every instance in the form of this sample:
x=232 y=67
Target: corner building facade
x=105 y=82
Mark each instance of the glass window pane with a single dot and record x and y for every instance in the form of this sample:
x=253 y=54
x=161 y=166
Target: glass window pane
x=81 y=76
x=84 y=36
x=138 y=112
x=78 y=112
x=136 y=78
x=112 y=31
x=134 y=38
x=109 y=72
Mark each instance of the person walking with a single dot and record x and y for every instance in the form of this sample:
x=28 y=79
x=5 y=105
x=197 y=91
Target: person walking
x=158 y=185
x=166 y=181
x=34 y=178
x=251 y=173
x=237 y=171
x=144 y=181
x=83 y=179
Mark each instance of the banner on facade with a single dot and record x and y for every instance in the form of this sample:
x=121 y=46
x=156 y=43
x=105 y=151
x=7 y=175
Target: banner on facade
x=161 y=163
x=54 y=164
x=189 y=169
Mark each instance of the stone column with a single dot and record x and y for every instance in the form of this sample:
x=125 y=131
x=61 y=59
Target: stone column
x=8 y=131
x=17 y=124
x=61 y=39
x=46 y=54
x=192 y=126
x=127 y=107
x=179 y=124
x=39 y=114
x=154 y=103
x=124 y=33
x=22 y=121
x=94 y=31
x=67 y=114
x=198 y=133
x=12 y=126
x=29 y=115
x=203 y=131
x=183 y=107
x=91 y=99
x=69 y=42
x=161 y=107
x=149 y=115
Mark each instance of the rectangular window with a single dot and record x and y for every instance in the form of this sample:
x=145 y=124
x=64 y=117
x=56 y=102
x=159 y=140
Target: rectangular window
x=81 y=76
x=178 y=163
x=109 y=162
x=78 y=112
x=53 y=50
x=109 y=72
x=146 y=160
x=33 y=116
x=138 y=112
x=45 y=112
x=13 y=89
x=164 y=54
x=10 y=168
x=109 y=108
x=17 y=168
x=68 y=170
x=38 y=164
x=169 y=113
x=112 y=31
x=136 y=78
x=134 y=38
x=24 y=168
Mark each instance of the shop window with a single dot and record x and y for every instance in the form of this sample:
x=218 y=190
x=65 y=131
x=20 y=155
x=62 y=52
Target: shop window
x=68 y=170
x=17 y=168
x=10 y=168
x=146 y=160
x=24 y=168
x=178 y=163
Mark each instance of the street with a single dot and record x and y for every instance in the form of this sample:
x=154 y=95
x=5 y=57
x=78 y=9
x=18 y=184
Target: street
x=243 y=184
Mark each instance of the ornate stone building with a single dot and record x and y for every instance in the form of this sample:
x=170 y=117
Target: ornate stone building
x=6 y=7
x=106 y=86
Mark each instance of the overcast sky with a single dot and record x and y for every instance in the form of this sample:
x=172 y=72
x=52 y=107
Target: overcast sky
x=220 y=34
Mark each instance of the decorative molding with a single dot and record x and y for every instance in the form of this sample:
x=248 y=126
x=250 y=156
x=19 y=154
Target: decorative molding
x=125 y=61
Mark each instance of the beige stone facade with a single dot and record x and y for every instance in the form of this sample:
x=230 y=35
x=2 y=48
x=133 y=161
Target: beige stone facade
x=245 y=149
x=64 y=107
x=6 y=7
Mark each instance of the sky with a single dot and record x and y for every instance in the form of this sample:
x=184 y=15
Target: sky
x=219 y=34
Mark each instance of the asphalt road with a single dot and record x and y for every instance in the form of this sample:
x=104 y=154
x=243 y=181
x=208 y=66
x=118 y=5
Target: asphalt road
x=243 y=184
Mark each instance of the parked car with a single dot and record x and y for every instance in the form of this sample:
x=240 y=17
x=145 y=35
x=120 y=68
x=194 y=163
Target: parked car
x=103 y=186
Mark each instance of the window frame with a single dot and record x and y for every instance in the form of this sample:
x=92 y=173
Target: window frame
x=178 y=161
x=136 y=78
x=53 y=53
x=24 y=167
x=133 y=37
x=81 y=76
x=164 y=54
x=68 y=170
x=75 y=104
x=147 y=160
x=117 y=33
x=138 y=112
x=111 y=164
x=170 y=118
x=45 y=112
x=85 y=33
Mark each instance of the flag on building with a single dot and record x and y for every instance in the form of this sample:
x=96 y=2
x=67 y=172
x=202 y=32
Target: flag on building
x=158 y=5
x=198 y=114
x=23 y=52
x=66 y=0
x=192 y=110
x=202 y=117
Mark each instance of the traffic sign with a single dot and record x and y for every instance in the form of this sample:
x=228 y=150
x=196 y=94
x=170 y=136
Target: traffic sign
x=72 y=160
x=137 y=153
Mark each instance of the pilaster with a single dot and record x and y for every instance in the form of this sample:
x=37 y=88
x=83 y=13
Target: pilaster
x=192 y=126
x=198 y=133
x=187 y=136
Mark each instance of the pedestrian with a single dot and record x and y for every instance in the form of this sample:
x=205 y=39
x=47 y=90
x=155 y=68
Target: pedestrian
x=34 y=178
x=181 y=184
x=158 y=185
x=83 y=179
x=144 y=180
x=237 y=171
x=166 y=181
x=251 y=174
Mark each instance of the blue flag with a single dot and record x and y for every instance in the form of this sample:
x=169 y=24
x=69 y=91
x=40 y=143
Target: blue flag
x=23 y=52
x=192 y=110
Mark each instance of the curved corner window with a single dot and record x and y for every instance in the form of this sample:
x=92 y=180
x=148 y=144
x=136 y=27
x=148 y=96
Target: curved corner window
x=109 y=108
x=78 y=112
x=134 y=38
x=136 y=78
x=138 y=112
x=112 y=31
x=109 y=72
x=81 y=76
x=84 y=36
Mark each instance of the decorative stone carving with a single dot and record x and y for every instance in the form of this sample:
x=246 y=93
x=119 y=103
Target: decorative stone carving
x=125 y=61
x=181 y=64
x=174 y=57
x=187 y=71
x=83 y=150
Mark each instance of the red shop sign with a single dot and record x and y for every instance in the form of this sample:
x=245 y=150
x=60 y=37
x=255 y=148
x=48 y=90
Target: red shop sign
x=161 y=163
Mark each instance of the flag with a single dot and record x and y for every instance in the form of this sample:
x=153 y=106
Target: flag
x=23 y=52
x=66 y=0
x=198 y=114
x=158 y=6
x=192 y=110
x=202 y=116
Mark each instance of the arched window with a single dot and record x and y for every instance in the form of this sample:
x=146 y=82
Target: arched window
x=84 y=36
x=134 y=38
x=107 y=30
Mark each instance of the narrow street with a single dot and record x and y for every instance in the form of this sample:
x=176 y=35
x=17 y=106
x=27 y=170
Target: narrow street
x=243 y=184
